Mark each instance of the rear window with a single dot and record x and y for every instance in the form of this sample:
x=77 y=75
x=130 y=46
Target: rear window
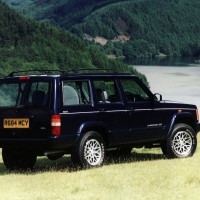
x=29 y=93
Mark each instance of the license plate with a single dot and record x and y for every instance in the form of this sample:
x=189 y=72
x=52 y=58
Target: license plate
x=16 y=123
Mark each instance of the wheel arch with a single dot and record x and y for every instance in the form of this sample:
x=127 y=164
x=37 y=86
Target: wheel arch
x=99 y=127
x=184 y=118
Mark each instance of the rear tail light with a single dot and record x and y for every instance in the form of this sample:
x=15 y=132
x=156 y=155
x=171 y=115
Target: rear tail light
x=197 y=114
x=55 y=125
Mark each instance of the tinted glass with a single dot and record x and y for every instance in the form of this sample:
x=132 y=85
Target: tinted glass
x=133 y=91
x=24 y=93
x=76 y=93
x=106 y=91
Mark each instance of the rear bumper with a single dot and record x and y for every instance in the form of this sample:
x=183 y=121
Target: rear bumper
x=20 y=143
x=40 y=145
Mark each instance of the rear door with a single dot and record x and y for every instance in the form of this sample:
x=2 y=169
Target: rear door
x=77 y=107
x=25 y=108
x=111 y=109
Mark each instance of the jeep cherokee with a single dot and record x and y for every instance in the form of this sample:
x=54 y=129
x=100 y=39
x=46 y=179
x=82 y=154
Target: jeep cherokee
x=86 y=115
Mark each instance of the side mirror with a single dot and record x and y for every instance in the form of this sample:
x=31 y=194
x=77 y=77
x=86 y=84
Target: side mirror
x=157 y=97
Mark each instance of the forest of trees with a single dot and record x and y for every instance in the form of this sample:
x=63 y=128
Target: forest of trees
x=64 y=13
x=169 y=27
x=26 y=44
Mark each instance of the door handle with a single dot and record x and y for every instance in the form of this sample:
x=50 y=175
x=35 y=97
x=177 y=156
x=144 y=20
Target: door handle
x=102 y=109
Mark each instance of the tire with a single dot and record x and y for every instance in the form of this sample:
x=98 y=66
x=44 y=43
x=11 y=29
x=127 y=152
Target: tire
x=182 y=142
x=15 y=159
x=89 y=151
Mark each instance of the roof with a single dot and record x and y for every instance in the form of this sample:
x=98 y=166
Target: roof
x=61 y=73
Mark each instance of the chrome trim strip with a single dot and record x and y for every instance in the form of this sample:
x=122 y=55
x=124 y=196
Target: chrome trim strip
x=73 y=113
x=175 y=109
x=108 y=111
x=112 y=111
x=157 y=109
x=117 y=111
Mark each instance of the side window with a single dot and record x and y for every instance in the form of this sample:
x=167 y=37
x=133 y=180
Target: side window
x=106 y=91
x=76 y=93
x=133 y=91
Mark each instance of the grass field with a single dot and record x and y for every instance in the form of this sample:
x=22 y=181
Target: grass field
x=143 y=175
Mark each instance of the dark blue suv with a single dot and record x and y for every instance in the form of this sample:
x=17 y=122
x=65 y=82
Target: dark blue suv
x=87 y=115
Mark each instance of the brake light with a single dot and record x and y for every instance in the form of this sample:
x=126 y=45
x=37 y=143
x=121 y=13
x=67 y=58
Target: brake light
x=22 y=78
x=55 y=125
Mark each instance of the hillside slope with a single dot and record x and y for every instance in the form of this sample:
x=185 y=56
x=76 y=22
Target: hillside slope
x=64 y=13
x=150 y=27
x=25 y=44
x=154 y=26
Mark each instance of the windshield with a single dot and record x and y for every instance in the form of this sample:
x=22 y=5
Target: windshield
x=31 y=93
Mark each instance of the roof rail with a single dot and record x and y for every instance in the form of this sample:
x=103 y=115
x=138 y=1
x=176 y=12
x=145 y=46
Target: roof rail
x=36 y=70
x=63 y=72
x=93 y=69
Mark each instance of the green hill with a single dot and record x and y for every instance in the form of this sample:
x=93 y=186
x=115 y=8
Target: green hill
x=26 y=44
x=133 y=28
x=64 y=13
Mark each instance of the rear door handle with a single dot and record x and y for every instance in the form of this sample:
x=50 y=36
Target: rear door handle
x=102 y=109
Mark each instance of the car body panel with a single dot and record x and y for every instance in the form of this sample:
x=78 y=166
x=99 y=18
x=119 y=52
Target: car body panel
x=121 y=123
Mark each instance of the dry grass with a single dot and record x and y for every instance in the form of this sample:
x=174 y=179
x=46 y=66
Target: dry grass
x=143 y=175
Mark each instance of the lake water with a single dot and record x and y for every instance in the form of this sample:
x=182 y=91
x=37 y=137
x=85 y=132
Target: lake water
x=166 y=61
x=177 y=80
